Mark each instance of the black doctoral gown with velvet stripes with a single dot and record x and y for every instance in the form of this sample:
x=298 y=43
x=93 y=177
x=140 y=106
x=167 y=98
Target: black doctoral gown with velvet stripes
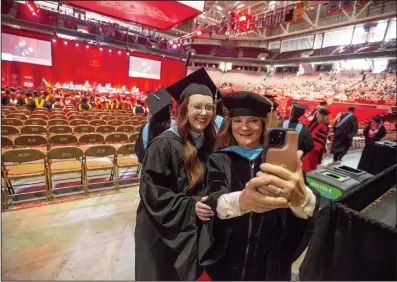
x=344 y=134
x=252 y=246
x=166 y=225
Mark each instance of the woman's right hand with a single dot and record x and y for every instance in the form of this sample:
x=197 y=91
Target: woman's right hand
x=251 y=200
x=203 y=211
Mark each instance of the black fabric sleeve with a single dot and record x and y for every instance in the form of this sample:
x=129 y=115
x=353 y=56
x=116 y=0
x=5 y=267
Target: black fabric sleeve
x=139 y=149
x=171 y=212
x=214 y=233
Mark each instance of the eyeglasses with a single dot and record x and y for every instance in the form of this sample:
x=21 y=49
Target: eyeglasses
x=209 y=108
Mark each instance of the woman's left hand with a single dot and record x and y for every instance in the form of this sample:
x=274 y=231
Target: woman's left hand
x=291 y=184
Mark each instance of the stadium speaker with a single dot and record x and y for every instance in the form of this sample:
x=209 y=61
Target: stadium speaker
x=188 y=58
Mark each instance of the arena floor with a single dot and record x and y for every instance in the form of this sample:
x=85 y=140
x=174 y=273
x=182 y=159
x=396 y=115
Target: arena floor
x=86 y=239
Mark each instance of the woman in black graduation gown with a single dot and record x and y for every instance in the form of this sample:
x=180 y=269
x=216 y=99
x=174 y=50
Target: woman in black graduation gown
x=237 y=244
x=159 y=104
x=172 y=178
x=374 y=132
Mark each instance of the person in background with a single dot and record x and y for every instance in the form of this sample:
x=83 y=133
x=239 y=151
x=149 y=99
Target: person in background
x=374 y=132
x=160 y=120
x=38 y=99
x=57 y=104
x=84 y=106
x=313 y=114
x=344 y=130
x=138 y=109
x=20 y=100
x=258 y=212
x=5 y=98
x=305 y=138
x=171 y=182
x=30 y=103
x=319 y=132
x=13 y=96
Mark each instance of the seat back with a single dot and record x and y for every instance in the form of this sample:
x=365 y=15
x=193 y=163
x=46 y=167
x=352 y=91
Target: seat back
x=62 y=139
x=100 y=151
x=60 y=129
x=73 y=117
x=12 y=121
x=6 y=142
x=77 y=122
x=91 y=138
x=39 y=116
x=64 y=153
x=97 y=122
x=126 y=149
x=36 y=121
x=22 y=155
x=116 y=137
x=84 y=129
x=91 y=117
x=133 y=137
x=126 y=129
x=33 y=129
x=105 y=129
x=57 y=122
x=9 y=130
x=56 y=116
x=30 y=140
x=115 y=122
x=18 y=116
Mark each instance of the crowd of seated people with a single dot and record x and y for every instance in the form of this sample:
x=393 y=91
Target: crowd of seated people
x=62 y=98
x=341 y=87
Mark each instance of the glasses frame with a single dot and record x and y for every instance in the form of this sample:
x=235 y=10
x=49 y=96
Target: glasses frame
x=203 y=107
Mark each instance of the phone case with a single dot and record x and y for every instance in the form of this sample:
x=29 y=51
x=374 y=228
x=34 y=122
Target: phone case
x=286 y=155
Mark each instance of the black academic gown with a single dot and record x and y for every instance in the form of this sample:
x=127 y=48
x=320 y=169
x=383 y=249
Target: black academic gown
x=377 y=137
x=139 y=147
x=344 y=135
x=305 y=142
x=253 y=246
x=31 y=105
x=166 y=224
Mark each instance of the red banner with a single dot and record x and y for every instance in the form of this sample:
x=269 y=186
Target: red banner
x=269 y=19
x=14 y=79
x=4 y=79
x=289 y=13
x=279 y=16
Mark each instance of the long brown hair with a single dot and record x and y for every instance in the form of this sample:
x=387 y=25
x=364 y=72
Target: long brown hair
x=194 y=166
x=226 y=139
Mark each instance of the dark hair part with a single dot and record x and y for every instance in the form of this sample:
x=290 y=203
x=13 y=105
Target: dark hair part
x=159 y=123
x=226 y=138
x=195 y=168
x=351 y=109
x=323 y=103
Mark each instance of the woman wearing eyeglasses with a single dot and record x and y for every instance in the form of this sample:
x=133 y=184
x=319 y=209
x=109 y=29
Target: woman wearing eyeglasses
x=171 y=181
x=261 y=210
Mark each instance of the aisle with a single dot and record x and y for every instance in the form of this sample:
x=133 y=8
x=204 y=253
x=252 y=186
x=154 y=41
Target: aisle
x=87 y=239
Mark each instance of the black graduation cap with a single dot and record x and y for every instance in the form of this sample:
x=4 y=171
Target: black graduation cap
x=198 y=82
x=158 y=100
x=298 y=109
x=244 y=103
x=323 y=111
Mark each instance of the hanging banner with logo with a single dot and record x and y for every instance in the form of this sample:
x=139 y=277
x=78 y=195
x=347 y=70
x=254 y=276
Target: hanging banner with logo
x=299 y=11
x=289 y=13
x=4 y=79
x=269 y=19
x=279 y=16
x=28 y=81
x=360 y=3
x=333 y=6
x=346 y=4
x=259 y=21
x=14 y=79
